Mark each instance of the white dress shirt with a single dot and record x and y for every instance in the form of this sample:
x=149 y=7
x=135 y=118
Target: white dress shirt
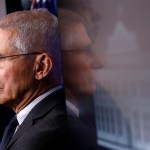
x=72 y=107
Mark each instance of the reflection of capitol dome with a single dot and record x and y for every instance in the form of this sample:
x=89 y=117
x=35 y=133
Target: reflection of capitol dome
x=122 y=108
x=123 y=114
x=123 y=50
x=122 y=40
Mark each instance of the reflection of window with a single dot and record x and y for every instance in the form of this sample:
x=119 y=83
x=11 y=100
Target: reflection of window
x=124 y=114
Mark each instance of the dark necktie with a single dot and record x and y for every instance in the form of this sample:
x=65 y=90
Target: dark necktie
x=8 y=133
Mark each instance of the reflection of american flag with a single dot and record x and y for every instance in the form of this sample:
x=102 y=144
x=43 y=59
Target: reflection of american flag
x=49 y=4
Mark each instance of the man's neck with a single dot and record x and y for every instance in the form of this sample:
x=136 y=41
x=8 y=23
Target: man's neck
x=30 y=96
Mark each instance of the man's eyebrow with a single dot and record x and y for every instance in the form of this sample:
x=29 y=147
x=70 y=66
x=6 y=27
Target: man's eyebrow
x=88 y=48
x=1 y=55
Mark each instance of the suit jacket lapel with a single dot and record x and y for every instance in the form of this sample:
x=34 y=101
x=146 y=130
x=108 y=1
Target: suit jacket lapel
x=39 y=111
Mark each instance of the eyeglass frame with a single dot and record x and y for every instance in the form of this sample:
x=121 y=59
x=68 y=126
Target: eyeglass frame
x=19 y=55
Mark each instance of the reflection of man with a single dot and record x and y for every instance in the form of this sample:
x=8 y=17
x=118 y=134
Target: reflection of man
x=78 y=62
x=78 y=59
x=31 y=81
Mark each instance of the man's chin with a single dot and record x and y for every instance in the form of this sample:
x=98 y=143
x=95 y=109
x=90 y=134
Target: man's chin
x=4 y=102
x=87 y=90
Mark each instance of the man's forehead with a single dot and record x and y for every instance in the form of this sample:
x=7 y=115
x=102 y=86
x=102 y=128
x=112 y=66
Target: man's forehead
x=4 y=37
x=7 y=33
x=74 y=36
x=80 y=42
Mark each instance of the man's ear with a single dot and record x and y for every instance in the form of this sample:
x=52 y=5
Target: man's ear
x=43 y=64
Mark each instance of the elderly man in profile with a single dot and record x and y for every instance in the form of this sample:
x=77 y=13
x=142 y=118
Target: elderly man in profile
x=31 y=81
x=79 y=61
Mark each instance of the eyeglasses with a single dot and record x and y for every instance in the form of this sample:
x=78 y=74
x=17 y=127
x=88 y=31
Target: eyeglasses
x=88 y=52
x=18 y=55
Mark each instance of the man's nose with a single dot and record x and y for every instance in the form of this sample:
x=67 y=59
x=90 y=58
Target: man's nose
x=96 y=63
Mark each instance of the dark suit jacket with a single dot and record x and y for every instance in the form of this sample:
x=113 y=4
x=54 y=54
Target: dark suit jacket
x=5 y=116
x=45 y=126
x=81 y=135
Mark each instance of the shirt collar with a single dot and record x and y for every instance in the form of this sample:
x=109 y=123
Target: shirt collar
x=72 y=107
x=24 y=112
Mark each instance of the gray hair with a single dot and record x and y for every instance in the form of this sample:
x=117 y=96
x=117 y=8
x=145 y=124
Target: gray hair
x=73 y=33
x=34 y=31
